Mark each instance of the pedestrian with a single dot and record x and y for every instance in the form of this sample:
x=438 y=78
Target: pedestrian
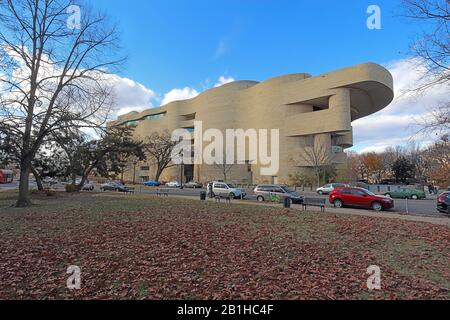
x=210 y=186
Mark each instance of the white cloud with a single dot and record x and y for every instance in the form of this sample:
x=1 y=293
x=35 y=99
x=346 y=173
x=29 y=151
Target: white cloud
x=397 y=123
x=224 y=80
x=179 y=94
x=130 y=95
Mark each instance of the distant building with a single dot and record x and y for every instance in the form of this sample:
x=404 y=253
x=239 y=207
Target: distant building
x=310 y=112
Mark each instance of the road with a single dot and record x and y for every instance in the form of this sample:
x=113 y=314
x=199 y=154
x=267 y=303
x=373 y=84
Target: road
x=15 y=185
x=425 y=207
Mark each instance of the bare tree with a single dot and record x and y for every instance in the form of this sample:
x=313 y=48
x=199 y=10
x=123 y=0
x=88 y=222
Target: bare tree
x=158 y=148
x=52 y=75
x=433 y=44
x=319 y=158
x=224 y=169
x=437 y=122
x=432 y=48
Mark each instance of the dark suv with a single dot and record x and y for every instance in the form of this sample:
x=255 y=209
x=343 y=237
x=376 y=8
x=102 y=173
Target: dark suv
x=361 y=198
x=443 y=203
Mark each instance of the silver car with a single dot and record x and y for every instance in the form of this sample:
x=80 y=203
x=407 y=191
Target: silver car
x=263 y=193
x=328 y=188
x=225 y=188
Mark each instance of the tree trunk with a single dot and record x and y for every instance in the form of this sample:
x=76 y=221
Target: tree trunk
x=158 y=174
x=38 y=178
x=24 y=196
x=318 y=179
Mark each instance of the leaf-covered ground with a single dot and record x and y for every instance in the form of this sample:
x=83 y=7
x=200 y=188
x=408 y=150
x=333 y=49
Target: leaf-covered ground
x=142 y=247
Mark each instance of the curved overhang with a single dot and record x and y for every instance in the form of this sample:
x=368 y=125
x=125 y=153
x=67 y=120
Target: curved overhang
x=371 y=88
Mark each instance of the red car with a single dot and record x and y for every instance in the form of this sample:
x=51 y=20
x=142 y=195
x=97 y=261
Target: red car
x=443 y=203
x=361 y=198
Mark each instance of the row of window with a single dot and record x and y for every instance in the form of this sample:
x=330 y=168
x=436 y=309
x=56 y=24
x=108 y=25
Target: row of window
x=134 y=123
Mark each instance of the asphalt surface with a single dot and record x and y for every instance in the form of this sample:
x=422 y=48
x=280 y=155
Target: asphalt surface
x=425 y=207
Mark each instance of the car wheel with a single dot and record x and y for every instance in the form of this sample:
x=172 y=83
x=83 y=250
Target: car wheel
x=338 y=203
x=414 y=197
x=376 y=206
x=260 y=199
x=388 y=195
x=232 y=195
x=320 y=192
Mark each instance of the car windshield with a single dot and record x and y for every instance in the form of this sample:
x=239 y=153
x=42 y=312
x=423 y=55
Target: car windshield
x=230 y=185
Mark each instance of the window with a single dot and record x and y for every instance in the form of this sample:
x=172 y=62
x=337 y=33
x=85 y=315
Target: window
x=155 y=116
x=337 y=149
x=132 y=123
x=358 y=193
x=145 y=168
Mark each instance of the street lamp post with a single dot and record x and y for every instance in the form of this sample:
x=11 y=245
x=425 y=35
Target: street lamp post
x=181 y=170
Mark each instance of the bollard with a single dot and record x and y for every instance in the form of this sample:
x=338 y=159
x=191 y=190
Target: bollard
x=287 y=203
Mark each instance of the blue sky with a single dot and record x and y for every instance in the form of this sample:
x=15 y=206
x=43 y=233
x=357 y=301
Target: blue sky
x=177 y=49
x=186 y=43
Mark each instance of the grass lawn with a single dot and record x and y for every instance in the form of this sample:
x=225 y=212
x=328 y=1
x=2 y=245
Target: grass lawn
x=143 y=247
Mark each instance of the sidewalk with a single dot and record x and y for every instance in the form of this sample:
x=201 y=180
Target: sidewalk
x=366 y=213
x=346 y=211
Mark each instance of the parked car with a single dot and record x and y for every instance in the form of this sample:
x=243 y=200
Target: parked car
x=223 y=187
x=361 y=198
x=193 y=185
x=113 y=186
x=404 y=193
x=152 y=183
x=443 y=203
x=263 y=193
x=50 y=181
x=173 y=184
x=328 y=188
x=6 y=176
x=88 y=187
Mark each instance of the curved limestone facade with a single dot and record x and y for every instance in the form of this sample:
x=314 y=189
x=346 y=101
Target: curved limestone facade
x=310 y=112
